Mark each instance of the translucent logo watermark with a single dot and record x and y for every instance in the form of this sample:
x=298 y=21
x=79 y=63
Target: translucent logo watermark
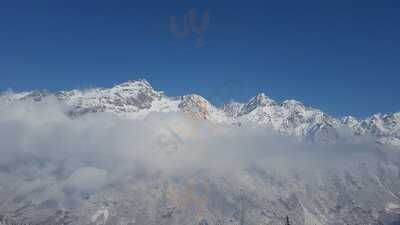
x=189 y=31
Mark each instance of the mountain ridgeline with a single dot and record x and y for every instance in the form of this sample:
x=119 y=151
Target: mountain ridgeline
x=291 y=117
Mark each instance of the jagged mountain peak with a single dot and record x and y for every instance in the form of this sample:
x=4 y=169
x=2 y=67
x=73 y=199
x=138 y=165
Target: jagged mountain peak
x=232 y=108
x=140 y=83
x=380 y=118
x=133 y=87
x=196 y=104
x=195 y=99
x=260 y=100
x=350 y=120
x=128 y=97
x=291 y=103
x=36 y=95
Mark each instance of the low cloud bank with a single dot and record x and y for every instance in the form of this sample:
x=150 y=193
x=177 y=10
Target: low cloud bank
x=43 y=150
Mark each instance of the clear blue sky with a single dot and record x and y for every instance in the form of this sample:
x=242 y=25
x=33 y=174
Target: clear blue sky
x=340 y=56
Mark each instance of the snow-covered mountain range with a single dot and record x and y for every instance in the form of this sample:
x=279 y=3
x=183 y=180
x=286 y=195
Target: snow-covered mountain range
x=291 y=117
x=57 y=182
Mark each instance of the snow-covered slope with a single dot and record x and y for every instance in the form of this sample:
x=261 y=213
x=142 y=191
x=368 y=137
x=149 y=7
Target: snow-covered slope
x=385 y=127
x=291 y=117
x=133 y=97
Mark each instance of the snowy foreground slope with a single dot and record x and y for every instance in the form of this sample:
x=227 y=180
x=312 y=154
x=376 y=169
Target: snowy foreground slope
x=132 y=155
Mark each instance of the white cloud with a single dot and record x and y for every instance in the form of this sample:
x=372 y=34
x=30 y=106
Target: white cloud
x=46 y=151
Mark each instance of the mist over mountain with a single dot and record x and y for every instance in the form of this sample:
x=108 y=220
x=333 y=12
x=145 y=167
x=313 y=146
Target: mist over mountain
x=132 y=155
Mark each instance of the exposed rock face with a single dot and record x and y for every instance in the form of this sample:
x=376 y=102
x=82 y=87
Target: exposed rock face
x=197 y=105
